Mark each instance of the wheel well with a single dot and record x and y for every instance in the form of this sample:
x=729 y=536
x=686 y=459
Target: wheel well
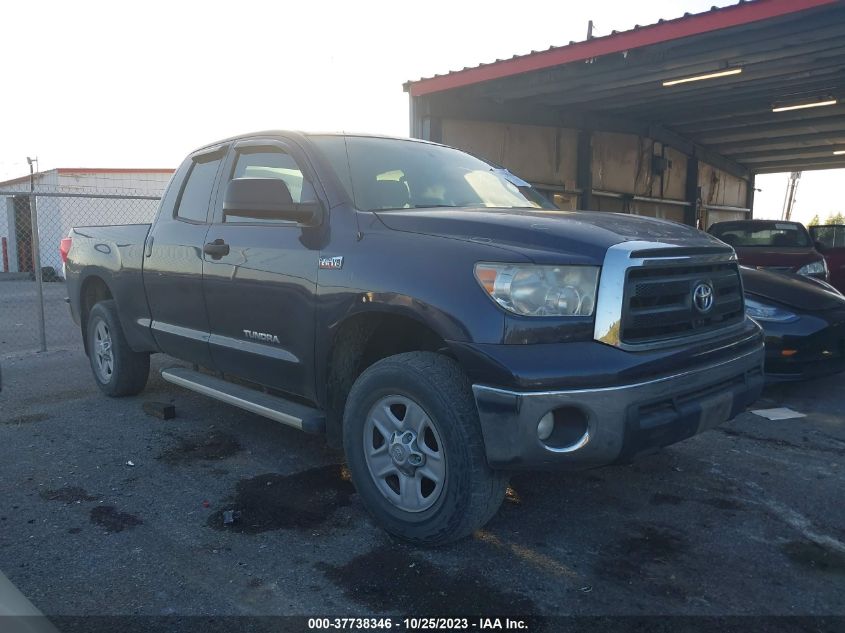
x=94 y=290
x=361 y=341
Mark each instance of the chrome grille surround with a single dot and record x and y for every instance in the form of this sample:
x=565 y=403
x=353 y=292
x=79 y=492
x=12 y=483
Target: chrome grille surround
x=653 y=264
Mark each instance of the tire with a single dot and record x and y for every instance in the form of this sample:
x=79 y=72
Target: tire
x=453 y=491
x=118 y=370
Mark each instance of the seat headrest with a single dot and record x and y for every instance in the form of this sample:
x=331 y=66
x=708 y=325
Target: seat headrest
x=391 y=194
x=784 y=239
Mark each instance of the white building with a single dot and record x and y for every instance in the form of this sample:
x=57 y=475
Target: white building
x=57 y=215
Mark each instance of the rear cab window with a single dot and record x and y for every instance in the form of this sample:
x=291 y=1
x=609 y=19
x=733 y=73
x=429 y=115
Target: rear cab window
x=762 y=234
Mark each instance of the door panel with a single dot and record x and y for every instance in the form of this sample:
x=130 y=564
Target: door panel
x=260 y=295
x=174 y=259
x=836 y=265
x=831 y=241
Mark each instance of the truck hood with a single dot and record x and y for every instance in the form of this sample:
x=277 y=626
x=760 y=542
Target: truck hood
x=543 y=235
x=795 y=291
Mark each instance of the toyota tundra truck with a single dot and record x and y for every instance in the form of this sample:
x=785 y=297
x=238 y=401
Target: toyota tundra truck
x=429 y=312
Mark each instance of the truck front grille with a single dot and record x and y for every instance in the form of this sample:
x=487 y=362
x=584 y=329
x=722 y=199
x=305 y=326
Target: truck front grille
x=659 y=302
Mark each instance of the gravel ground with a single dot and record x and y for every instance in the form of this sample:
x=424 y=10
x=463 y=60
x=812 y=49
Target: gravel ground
x=19 y=316
x=748 y=519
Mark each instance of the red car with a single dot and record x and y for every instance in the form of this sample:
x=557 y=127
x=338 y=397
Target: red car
x=830 y=242
x=773 y=245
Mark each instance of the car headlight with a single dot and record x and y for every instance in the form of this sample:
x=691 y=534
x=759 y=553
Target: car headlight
x=532 y=290
x=760 y=311
x=814 y=268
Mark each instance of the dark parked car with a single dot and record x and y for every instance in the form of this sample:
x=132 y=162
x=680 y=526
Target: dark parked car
x=429 y=312
x=772 y=245
x=803 y=320
x=830 y=242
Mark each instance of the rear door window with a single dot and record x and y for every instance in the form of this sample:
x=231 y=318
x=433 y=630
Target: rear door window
x=196 y=195
x=168 y=202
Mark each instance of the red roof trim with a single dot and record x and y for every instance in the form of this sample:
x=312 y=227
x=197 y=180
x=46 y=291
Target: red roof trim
x=727 y=17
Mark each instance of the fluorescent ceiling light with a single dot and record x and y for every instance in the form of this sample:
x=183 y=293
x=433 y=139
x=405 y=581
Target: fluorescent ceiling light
x=800 y=106
x=839 y=152
x=721 y=73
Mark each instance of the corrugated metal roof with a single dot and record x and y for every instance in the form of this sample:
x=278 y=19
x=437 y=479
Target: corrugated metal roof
x=744 y=12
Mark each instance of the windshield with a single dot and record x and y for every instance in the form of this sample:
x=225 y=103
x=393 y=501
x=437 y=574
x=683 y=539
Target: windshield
x=777 y=234
x=381 y=174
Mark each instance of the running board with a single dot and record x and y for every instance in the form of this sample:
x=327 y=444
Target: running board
x=291 y=413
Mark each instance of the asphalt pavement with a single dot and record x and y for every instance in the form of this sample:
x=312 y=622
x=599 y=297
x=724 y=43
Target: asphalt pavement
x=110 y=511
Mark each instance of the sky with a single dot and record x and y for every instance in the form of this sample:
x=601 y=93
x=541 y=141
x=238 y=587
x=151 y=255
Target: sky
x=112 y=84
x=819 y=193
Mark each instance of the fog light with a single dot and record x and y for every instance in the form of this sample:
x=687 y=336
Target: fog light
x=546 y=426
x=564 y=429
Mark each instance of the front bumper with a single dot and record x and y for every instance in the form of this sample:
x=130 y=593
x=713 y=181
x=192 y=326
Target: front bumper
x=810 y=347
x=621 y=421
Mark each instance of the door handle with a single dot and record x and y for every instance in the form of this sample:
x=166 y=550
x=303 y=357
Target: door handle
x=216 y=249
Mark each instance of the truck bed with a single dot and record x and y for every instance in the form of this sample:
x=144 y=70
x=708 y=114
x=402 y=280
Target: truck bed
x=114 y=256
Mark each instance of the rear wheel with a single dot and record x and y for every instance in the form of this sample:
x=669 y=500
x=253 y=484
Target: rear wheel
x=415 y=451
x=118 y=369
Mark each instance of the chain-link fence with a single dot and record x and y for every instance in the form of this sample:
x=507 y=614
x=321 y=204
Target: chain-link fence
x=33 y=311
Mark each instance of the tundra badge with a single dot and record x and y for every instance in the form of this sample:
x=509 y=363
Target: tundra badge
x=331 y=263
x=262 y=336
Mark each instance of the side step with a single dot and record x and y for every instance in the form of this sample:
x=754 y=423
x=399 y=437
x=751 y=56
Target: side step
x=291 y=413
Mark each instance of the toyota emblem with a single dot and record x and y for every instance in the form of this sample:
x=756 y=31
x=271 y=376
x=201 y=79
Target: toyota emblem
x=702 y=297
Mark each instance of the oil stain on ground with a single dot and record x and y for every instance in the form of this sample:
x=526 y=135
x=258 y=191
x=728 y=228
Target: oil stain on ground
x=113 y=520
x=781 y=443
x=275 y=502
x=214 y=446
x=723 y=503
x=392 y=577
x=27 y=418
x=814 y=556
x=652 y=545
x=663 y=499
x=69 y=494
x=60 y=396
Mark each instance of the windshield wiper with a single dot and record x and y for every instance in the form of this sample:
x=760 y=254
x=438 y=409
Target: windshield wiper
x=416 y=206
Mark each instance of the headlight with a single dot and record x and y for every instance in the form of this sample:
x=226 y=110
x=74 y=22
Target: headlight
x=815 y=268
x=532 y=290
x=765 y=312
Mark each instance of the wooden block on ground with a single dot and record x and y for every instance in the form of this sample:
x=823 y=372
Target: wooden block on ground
x=162 y=410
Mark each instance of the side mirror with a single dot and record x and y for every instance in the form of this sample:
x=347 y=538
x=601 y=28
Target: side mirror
x=819 y=246
x=267 y=199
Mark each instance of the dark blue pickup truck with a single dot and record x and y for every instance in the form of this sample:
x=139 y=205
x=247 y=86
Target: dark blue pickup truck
x=429 y=312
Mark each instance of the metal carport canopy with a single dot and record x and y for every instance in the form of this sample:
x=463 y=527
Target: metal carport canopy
x=789 y=52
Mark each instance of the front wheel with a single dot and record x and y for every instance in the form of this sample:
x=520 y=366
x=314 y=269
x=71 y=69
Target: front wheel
x=118 y=369
x=415 y=451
